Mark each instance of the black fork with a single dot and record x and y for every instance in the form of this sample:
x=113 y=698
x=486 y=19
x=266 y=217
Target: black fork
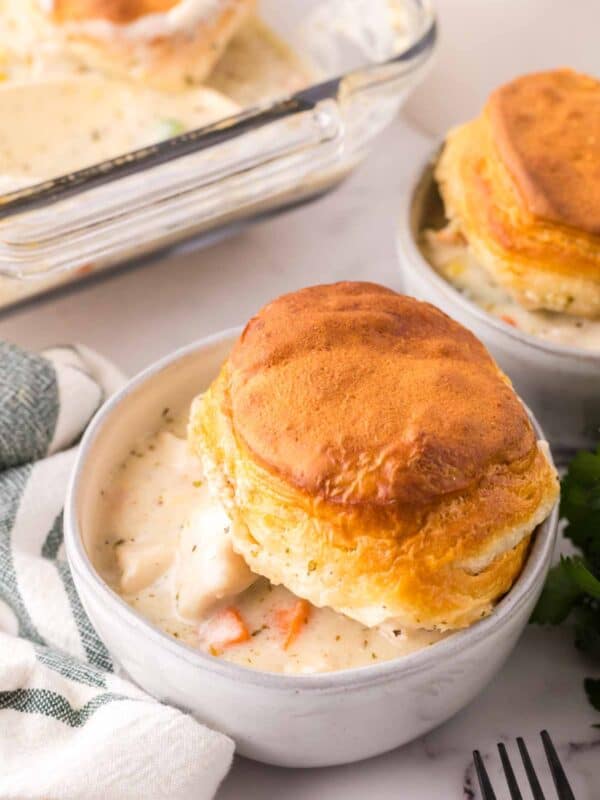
x=563 y=790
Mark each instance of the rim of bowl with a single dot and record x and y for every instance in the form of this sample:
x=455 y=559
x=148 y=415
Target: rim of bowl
x=410 y=254
x=340 y=680
x=425 y=33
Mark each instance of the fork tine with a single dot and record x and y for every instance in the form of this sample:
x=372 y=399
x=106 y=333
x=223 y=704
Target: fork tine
x=536 y=789
x=563 y=789
x=487 y=792
x=513 y=786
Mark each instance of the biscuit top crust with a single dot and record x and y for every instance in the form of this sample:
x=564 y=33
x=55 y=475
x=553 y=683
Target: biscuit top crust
x=119 y=12
x=546 y=128
x=359 y=395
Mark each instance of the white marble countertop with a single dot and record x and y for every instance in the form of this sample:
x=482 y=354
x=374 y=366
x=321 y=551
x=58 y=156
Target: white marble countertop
x=138 y=315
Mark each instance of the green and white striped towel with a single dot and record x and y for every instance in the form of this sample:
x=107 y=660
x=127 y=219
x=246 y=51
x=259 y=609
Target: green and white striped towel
x=69 y=726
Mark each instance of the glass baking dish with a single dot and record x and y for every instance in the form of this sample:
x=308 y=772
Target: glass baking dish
x=257 y=162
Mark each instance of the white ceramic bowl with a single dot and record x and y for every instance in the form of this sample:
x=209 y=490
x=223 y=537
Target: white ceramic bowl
x=561 y=384
x=299 y=721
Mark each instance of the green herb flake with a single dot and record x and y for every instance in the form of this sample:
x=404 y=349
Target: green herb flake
x=170 y=127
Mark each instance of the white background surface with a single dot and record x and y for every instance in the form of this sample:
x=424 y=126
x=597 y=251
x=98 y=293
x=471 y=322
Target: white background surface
x=135 y=317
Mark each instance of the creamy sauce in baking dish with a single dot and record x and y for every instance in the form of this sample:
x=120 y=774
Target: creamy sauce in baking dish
x=458 y=266
x=162 y=543
x=63 y=115
x=64 y=124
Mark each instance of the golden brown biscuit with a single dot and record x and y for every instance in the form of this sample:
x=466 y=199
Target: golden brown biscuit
x=142 y=39
x=522 y=184
x=373 y=458
x=119 y=12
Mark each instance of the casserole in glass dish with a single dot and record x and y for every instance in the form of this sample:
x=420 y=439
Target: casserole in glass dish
x=349 y=64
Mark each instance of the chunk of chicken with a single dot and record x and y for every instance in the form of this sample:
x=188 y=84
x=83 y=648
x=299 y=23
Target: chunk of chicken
x=207 y=570
x=142 y=562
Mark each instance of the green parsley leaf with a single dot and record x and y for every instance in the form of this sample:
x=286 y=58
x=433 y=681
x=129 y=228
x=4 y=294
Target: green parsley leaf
x=558 y=597
x=580 y=505
x=581 y=576
x=587 y=630
x=572 y=589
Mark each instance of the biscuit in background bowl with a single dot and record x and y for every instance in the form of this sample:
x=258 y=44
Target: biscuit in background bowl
x=521 y=185
x=501 y=230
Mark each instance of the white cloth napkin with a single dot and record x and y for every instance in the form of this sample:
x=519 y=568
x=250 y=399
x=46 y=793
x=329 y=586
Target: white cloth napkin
x=70 y=728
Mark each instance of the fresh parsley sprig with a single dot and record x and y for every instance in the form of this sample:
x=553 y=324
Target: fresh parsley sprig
x=572 y=588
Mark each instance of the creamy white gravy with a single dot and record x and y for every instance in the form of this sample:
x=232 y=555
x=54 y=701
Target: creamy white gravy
x=457 y=265
x=162 y=543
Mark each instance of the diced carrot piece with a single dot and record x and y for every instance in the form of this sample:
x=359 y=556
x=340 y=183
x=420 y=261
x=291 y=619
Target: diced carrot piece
x=509 y=320
x=290 y=621
x=225 y=629
x=84 y=269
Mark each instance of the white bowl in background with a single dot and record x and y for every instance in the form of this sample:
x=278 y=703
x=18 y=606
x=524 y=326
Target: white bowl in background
x=561 y=384
x=288 y=720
